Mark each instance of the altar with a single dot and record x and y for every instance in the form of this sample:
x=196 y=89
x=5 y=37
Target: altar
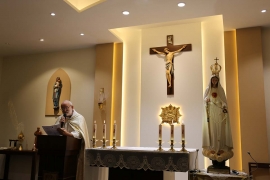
x=146 y=160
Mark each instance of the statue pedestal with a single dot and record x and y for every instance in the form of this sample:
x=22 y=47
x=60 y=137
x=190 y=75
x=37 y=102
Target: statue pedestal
x=214 y=170
x=218 y=168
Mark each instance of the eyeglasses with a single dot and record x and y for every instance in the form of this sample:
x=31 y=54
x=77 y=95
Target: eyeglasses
x=65 y=108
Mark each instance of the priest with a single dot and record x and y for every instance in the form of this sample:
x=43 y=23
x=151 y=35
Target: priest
x=73 y=124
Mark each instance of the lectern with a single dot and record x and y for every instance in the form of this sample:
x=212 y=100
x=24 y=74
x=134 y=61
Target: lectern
x=58 y=157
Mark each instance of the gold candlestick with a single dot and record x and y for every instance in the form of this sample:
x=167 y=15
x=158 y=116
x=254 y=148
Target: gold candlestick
x=172 y=144
x=114 y=144
x=183 y=147
x=104 y=143
x=94 y=140
x=160 y=145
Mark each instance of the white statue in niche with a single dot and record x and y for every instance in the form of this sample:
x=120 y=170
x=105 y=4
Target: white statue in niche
x=217 y=138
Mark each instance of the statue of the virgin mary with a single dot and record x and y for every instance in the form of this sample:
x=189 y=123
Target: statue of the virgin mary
x=217 y=139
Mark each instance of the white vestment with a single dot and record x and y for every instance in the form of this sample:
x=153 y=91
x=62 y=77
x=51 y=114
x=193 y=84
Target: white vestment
x=217 y=138
x=76 y=125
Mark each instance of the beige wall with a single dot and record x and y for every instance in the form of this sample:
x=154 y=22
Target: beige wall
x=108 y=75
x=251 y=96
x=248 y=73
x=266 y=67
x=131 y=81
x=233 y=96
x=24 y=84
x=117 y=89
x=103 y=79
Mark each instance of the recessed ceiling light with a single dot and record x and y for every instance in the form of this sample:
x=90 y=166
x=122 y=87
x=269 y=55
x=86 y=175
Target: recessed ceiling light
x=82 y=34
x=52 y=14
x=125 y=12
x=263 y=11
x=41 y=40
x=181 y=4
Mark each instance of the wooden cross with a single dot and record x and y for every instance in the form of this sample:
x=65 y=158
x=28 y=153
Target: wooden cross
x=174 y=49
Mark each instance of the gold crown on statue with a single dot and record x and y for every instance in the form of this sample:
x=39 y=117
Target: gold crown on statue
x=215 y=68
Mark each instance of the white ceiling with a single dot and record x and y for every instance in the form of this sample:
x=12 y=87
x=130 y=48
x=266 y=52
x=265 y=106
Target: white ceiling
x=24 y=22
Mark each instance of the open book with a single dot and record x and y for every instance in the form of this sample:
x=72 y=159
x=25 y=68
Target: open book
x=52 y=130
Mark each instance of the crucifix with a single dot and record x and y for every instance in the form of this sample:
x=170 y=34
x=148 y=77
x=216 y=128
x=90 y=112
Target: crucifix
x=169 y=52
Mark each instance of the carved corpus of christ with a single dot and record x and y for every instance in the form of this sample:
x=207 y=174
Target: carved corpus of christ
x=169 y=52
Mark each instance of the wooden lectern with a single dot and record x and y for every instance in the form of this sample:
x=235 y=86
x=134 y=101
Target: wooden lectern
x=58 y=157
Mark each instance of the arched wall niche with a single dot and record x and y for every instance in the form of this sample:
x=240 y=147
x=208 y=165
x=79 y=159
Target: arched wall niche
x=65 y=92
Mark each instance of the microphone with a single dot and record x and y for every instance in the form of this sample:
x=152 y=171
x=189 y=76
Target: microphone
x=196 y=159
x=62 y=123
x=256 y=165
x=195 y=170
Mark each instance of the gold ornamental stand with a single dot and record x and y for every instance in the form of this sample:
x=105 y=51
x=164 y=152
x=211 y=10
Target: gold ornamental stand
x=104 y=143
x=172 y=144
x=114 y=144
x=94 y=140
x=160 y=145
x=183 y=147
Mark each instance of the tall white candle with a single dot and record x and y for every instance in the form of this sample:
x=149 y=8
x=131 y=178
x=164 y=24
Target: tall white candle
x=172 y=131
x=160 y=132
x=183 y=130
x=114 y=130
x=104 y=130
x=95 y=130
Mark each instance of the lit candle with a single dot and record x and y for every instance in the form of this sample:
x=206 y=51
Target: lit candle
x=114 y=130
x=160 y=132
x=183 y=130
x=172 y=131
x=95 y=130
x=104 y=130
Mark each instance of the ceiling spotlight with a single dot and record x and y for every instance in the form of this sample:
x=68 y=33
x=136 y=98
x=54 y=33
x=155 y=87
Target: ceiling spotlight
x=52 y=14
x=82 y=34
x=41 y=40
x=125 y=12
x=263 y=11
x=181 y=4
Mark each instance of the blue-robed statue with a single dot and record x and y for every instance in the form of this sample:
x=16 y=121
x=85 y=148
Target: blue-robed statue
x=57 y=92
